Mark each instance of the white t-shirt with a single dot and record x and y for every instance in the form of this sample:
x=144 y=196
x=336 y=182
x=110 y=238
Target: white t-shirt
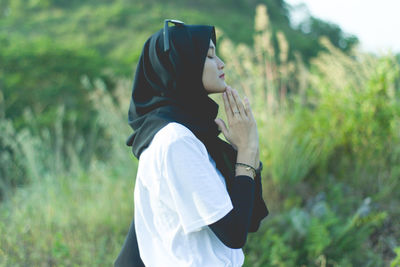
x=178 y=192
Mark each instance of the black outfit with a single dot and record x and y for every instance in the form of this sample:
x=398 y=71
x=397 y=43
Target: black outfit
x=168 y=88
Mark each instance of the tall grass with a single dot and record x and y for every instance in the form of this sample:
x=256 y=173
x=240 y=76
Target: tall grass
x=69 y=216
x=330 y=144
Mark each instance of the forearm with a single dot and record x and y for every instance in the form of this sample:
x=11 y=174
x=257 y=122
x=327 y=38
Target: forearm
x=260 y=210
x=248 y=205
x=249 y=156
x=232 y=229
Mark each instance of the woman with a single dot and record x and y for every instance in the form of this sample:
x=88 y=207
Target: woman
x=196 y=196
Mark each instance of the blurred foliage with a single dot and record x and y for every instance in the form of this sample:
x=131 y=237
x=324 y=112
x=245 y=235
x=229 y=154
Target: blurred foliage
x=26 y=84
x=331 y=147
x=71 y=149
x=73 y=212
x=118 y=29
x=396 y=261
x=318 y=234
x=67 y=222
x=329 y=131
x=53 y=51
x=38 y=80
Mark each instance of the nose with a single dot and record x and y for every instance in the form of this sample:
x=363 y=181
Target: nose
x=221 y=64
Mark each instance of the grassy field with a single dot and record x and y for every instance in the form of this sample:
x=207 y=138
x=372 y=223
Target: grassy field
x=330 y=144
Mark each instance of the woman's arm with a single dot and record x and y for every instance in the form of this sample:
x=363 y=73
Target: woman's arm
x=248 y=210
x=260 y=210
x=233 y=227
x=245 y=193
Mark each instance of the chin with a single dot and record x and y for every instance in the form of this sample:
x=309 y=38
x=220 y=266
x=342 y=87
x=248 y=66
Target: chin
x=221 y=88
x=217 y=91
x=217 y=88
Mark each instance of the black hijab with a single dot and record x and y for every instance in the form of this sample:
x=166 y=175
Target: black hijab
x=168 y=88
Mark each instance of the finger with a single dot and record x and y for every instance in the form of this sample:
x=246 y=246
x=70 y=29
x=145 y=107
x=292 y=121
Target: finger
x=239 y=104
x=248 y=108
x=228 y=110
x=232 y=103
x=222 y=127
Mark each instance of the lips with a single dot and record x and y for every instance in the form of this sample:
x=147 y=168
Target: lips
x=222 y=76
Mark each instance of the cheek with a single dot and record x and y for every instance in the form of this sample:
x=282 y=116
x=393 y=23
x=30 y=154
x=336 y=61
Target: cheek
x=207 y=72
x=212 y=70
x=210 y=75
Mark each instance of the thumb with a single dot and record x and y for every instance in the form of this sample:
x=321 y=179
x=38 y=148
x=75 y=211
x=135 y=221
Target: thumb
x=222 y=126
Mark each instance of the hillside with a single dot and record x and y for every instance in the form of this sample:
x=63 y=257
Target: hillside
x=117 y=30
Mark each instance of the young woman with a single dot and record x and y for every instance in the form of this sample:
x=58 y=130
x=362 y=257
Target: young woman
x=196 y=196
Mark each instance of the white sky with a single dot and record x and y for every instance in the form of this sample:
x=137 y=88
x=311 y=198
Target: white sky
x=375 y=23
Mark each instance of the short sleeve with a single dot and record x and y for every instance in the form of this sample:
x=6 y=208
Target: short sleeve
x=199 y=195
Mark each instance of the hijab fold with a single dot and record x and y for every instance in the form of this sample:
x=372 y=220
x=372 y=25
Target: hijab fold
x=168 y=88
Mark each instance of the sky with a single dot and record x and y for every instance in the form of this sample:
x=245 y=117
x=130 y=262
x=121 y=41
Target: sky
x=375 y=23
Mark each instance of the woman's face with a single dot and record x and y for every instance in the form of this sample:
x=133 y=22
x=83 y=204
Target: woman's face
x=213 y=74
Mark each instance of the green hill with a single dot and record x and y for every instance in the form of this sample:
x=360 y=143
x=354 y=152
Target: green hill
x=54 y=53
x=117 y=29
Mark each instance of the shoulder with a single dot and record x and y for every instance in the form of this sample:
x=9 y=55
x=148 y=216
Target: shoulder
x=173 y=131
x=177 y=137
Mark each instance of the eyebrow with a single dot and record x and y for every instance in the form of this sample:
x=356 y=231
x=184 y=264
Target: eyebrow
x=211 y=47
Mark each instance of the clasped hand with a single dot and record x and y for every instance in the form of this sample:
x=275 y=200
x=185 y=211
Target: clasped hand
x=242 y=131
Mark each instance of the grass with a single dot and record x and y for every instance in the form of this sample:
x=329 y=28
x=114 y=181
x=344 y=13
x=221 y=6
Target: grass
x=78 y=220
x=329 y=143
